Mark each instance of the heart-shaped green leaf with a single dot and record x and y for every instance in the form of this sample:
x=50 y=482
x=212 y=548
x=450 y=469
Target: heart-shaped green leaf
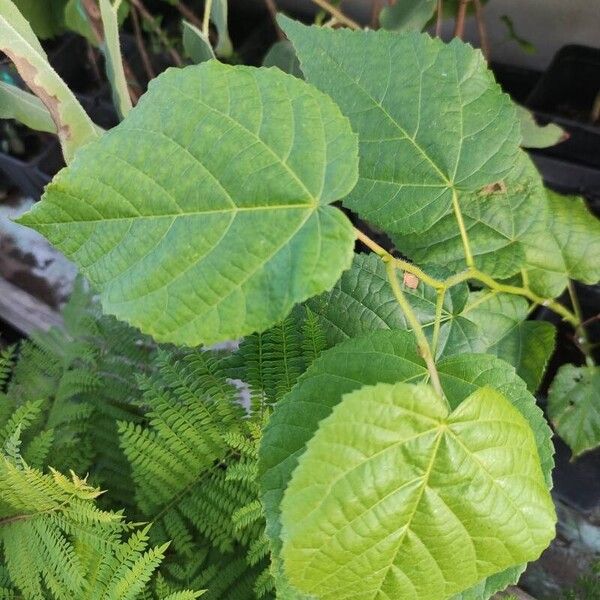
x=203 y=216
x=388 y=357
x=392 y=483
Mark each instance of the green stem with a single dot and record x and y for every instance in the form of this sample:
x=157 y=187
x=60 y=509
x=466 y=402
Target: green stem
x=417 y=330
x=463 y=230
x=206 y=22
x=402 y=264
x=474 y=274
x=583 y=341
x=439 y=305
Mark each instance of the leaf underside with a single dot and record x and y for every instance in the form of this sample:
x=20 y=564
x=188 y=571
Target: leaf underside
x=204 y=215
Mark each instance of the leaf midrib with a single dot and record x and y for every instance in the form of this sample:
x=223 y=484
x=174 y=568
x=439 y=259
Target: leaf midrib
x=445 y=180
x=180 y=214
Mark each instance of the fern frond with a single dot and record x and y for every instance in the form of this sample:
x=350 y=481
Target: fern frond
x=264 y=584
x=7 y=358
x=58 y=544
x=313 y=337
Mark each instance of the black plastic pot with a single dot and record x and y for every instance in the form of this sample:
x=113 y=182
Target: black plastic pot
x=31 y=175
x=517 y=82
x=565 y=95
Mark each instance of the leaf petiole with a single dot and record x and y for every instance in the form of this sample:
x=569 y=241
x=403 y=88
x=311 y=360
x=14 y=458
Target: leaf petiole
x=422 y=343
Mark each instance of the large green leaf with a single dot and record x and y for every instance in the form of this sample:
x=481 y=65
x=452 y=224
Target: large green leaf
x=574 y=406
x=393 y=483
x=19 y=43
x=433 y=125
x=430 y=118
x=203 y=216
x=389 y=357
x=407 y=15
x=577 y=232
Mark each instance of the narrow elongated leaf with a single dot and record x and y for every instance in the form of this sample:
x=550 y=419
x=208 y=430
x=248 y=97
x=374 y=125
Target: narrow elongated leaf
x=538 y=136
x=577 y=232
x=574 y=407
x=430 y=118
x=203 y=216
x=25 y=108
x=19 y=43
x=389 y=357
x=218 y=15
x=391 y=485
x=407 y=15
x=195 y=44
x=113 y=58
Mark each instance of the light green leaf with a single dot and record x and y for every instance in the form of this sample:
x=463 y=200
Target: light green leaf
x=407 y=15
x=25 y=108
x=218 y=15
x=195 y=45
x=527 y=345
x=538 y=136
x=391 y=485
x=574 y=407
x=45 y=18
x=283 y=56
x=204 y=215
x=363 y=301
x=389 y=357
x=76 y=19
x=19 y=43
x=577 y=232
x=111 y=48
x=430 y=118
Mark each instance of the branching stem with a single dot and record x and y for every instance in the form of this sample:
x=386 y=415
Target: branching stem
x=415 y=325
x=463 y=230
x=474 y=274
